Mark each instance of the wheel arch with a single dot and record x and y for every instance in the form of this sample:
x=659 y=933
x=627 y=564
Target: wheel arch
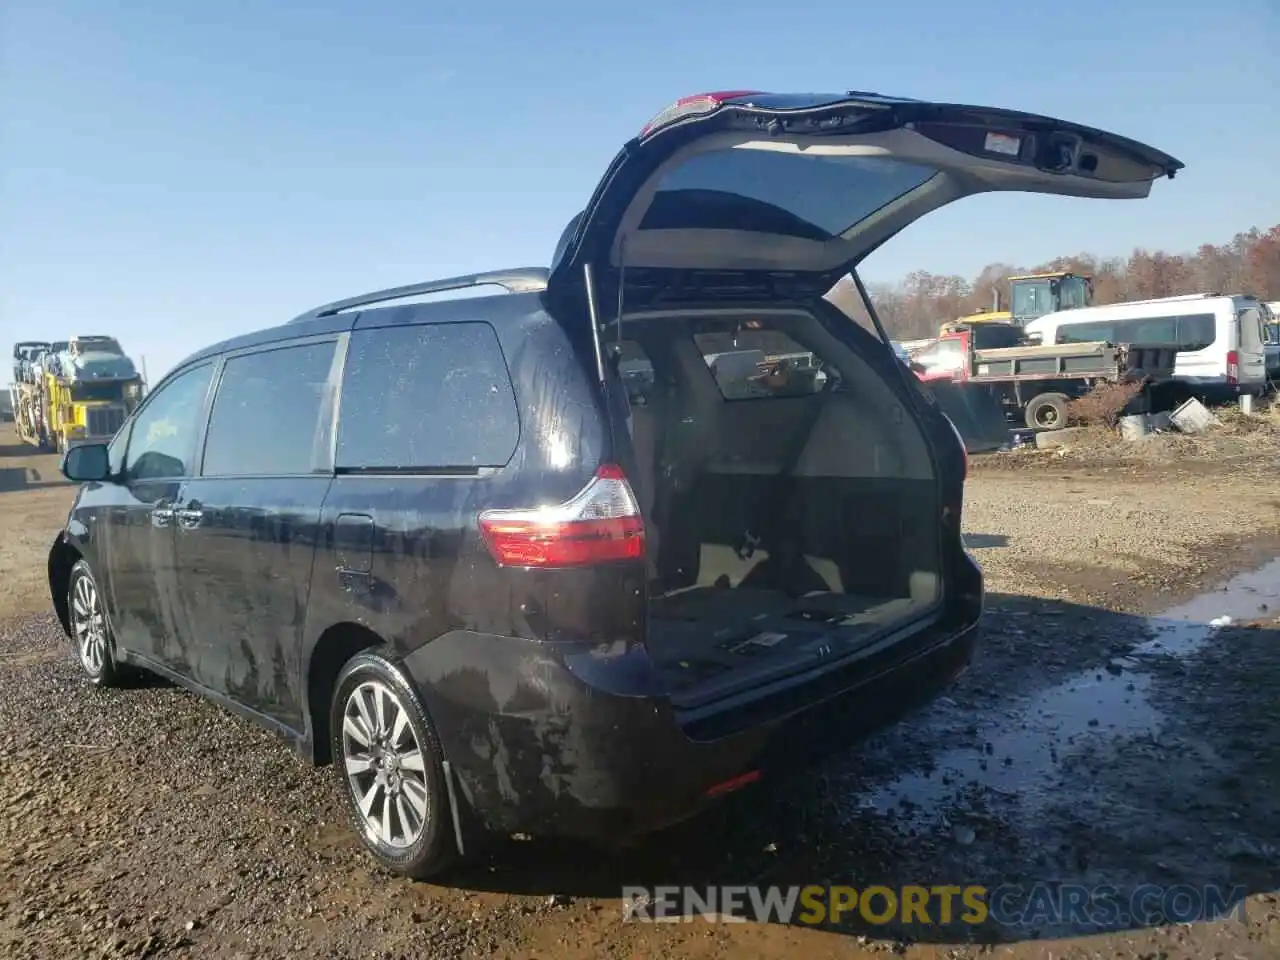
x=63 y=556
x=333 y=649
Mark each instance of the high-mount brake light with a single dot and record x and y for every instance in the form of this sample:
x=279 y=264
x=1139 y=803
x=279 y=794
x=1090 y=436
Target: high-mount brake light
x=693 y=105
x=602 y=523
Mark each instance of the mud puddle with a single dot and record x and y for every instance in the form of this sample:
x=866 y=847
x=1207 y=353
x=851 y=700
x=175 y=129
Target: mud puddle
x=1023 y=750
x=1183 y=630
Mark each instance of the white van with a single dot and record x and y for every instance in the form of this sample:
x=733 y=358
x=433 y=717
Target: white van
x=1220 y=339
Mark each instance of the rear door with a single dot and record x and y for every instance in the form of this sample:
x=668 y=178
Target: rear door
x=1252 y=340
x=770 y=196
x=245 y=527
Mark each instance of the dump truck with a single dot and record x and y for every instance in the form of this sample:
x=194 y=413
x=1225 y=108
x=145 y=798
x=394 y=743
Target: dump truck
x=1034 y=383
x=1031 y=296
x=67 y=392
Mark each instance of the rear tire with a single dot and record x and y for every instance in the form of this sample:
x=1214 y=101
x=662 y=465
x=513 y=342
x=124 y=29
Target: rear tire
x=91 y=635
x=389 y=768
x=1048 y=411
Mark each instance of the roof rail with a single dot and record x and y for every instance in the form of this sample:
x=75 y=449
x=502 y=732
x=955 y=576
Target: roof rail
x=519 y=280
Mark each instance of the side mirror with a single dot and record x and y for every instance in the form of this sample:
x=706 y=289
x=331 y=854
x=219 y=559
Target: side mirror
x=87 y=463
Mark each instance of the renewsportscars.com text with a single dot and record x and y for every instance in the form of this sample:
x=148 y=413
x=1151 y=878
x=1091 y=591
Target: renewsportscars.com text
x=1008 y=906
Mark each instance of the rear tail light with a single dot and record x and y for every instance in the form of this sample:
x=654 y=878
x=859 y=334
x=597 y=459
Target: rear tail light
x=1233 y=367
x=602 y=523
x=733 y=783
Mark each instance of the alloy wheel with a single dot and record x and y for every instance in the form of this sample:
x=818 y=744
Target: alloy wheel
x=90 y=625
x=385 y=765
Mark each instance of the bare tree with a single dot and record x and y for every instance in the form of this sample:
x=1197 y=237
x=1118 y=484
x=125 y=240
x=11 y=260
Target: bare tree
x=1248 y=263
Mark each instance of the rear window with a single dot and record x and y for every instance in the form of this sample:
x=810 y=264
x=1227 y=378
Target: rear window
x=767 y=191
x=753 y=360
x=1190 y=332
x=1251 y=326
x=427 y=397
x=995 y=336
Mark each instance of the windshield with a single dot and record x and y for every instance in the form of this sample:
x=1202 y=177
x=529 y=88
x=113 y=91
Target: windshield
x=1032 y=298
x=90 y=392
x=96 y=345
x=1073 y=292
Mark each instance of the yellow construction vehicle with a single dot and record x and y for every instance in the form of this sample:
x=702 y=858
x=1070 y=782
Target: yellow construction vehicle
x=1031 y=296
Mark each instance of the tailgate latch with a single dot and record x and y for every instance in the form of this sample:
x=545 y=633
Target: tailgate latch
x=747 y=546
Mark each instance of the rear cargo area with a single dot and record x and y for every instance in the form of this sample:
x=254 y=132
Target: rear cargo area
x=789 y=498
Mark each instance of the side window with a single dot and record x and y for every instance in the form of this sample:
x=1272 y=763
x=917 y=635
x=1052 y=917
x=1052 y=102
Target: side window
x=1086 y=332
x=946 y=354
x=163 y=439
x=434 y=396
x=266 y=413
x=1196 y=332
x=949 y=348
x=1162 y=330
x=753 y=360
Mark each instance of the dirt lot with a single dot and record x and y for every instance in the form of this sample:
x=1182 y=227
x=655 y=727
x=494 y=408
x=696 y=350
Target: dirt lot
x=34 y=500
x=1106 y=735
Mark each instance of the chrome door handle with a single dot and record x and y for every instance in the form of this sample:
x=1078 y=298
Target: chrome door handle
x=189 y=517
x=161 y=515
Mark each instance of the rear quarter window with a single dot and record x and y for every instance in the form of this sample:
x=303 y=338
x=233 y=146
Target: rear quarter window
x=428 y=397
x=1197 y=331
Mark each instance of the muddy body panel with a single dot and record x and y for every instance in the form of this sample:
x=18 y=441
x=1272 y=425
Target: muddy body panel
x=578 y=740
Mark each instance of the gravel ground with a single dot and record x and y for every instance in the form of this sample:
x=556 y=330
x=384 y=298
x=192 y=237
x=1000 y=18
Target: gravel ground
x=145 y=822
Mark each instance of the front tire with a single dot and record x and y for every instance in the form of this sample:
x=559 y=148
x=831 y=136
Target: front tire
x=389 y=768
x=90 y=628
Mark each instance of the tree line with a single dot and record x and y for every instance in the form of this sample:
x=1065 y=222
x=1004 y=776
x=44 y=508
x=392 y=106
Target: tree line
x=1248 y=263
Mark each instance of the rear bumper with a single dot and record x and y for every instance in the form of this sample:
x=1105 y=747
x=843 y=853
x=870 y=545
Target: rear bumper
x=1217 y=390
x=558 y=739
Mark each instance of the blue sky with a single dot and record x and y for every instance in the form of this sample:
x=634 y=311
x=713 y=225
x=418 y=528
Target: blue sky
x=176 y=173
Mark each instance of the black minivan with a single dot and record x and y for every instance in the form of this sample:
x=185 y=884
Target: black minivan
x=582 y=556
